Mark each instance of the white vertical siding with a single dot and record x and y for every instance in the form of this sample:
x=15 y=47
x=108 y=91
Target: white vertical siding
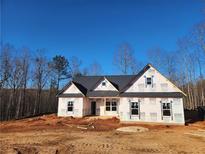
x=160 y=83
x=86 y=107
x=151 y=111
x=107 y=86
x=100 y=108
x=77 y=107
x=72 y=89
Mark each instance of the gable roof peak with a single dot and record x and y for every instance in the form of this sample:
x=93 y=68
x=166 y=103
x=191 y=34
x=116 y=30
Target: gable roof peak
x=104 y=78
x=149 y=64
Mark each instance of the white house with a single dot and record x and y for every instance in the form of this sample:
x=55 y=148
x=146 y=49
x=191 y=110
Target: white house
x=145 y=97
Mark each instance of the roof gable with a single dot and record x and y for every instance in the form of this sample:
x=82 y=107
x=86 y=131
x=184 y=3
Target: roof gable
x=72 y=89
x=136 y=77
x=90 y=82
x=160 y=83
x=105 y=85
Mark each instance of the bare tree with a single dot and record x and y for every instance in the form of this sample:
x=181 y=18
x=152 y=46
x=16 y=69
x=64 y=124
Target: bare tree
x=75 y=64
x=40 y=77
x=5 y=64
x=5 y=74
x=124 y=59
x=25 y=64
x=95 y=68
x=155 y=56
x=164 y=60
x=197 y=40
x=135 y=66
x=85 y=71
x=170 y=61
x=190 y=65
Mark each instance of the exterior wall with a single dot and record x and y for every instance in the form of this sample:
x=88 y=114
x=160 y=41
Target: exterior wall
x=106 y=87
x=111 y=113
x=86 y=106
x=101 y=107
x=77 y=107
x=72 y=90
x=160 y=83
x=151 y=111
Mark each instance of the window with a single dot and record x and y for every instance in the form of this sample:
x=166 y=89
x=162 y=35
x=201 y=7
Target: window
x=114 y=106
x=166 y=109
x=108 y=106
x=70 y=106
x=103 y=83
x=111 y=106
x=149 y=81
x=135 y=108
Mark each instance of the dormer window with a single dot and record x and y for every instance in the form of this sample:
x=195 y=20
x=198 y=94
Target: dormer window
x=103 y=83
x=149 y=81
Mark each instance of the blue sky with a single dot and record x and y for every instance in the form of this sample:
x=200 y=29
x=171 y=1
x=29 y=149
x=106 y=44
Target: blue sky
x=93 y=29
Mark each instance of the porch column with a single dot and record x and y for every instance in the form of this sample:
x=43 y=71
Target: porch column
x=104 y=100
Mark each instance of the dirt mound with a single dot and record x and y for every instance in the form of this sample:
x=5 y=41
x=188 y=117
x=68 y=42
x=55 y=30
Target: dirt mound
x=52 y=122
x=106 y=124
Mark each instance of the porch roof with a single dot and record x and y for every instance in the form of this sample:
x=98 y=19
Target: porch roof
x=103 y=93
x=152 y=94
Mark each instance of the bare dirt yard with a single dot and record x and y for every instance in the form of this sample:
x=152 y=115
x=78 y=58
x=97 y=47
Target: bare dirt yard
x=52 y=135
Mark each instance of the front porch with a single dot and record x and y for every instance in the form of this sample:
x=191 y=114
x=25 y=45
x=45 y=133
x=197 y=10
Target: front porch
x=102 y=107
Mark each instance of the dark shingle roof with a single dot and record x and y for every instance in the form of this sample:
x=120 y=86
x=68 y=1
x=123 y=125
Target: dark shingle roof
x=152 y=94
x=103 y=93
x=86 y=84
x=89 y=82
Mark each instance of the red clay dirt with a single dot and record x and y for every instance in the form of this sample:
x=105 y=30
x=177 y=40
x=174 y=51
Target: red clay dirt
x=52 y=134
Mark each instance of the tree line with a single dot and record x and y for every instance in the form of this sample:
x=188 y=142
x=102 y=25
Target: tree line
x=29 y=81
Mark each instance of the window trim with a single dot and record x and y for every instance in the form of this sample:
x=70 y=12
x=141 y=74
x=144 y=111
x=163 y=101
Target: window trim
x=150 y=82
x=170 y=109
x=70 y=106
x=138 y=108
x=110 y=105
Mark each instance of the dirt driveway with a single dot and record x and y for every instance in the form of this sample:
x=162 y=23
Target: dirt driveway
x=52 y=135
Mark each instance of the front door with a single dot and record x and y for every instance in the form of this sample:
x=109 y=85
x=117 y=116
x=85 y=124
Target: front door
x=93 y=108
